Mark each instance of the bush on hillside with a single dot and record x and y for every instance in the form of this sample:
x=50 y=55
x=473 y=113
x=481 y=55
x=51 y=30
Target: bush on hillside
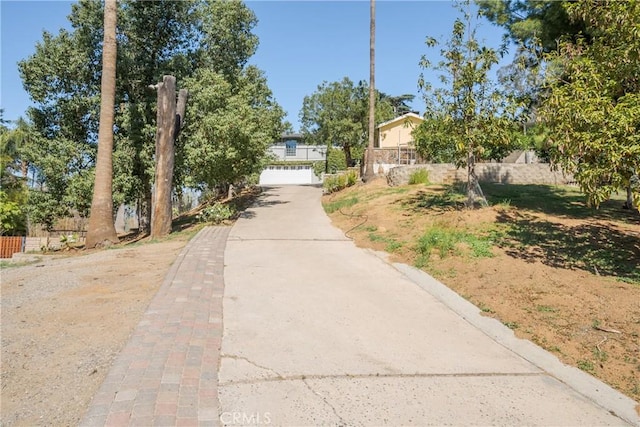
x=337 y=182
x=419 y=176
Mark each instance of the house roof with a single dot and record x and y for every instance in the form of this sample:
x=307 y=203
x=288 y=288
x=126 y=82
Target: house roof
x=400 y=119
x=291 y=136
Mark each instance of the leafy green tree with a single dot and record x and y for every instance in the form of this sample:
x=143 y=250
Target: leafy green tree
x=63 y=79
x=337 y=114
x=227 y=40
x=11 y=216
x=229 y=126
x=12 y=188
x=527 y=22
x=15 y=145
x=334 y=162
x=468 y=119
x=592 y=109
x=536 y=27
x=399 y=103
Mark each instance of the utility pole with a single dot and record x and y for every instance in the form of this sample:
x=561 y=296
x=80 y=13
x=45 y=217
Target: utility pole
x=368 y=172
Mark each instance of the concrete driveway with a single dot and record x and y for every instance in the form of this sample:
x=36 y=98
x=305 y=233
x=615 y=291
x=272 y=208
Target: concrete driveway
x=320 y=332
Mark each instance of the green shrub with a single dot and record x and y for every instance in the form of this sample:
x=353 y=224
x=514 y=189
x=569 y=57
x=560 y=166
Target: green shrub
x=216 y=213
x=342 y=181
x=337 y=182
x=446 y=241
x=352 y=178
x=419 y=176
x=11 y=216
x=330 y=184
x=336 y=161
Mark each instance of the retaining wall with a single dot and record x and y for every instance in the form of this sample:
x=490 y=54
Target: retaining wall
x=505 y=173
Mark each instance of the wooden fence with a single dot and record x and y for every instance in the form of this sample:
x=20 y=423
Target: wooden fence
x=9 y=245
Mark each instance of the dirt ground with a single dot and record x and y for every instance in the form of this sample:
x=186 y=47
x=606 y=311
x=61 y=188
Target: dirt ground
x=64 y=320
x=586 y=316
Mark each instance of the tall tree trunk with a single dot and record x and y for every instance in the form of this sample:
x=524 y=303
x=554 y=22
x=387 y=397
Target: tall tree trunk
x=628 y=204
x=165 y=156
x=348 y=160
x=101 y=228
x=369 y=173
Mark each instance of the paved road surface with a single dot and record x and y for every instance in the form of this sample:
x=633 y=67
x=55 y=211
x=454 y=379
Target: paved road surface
x=319 y=332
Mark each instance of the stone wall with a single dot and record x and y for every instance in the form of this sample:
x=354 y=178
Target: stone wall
x=505 y=173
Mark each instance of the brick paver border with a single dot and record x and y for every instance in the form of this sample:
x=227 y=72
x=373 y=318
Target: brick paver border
x=167 y=374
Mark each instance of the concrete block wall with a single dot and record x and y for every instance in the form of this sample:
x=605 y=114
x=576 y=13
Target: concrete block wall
x=505 y=173
x=34 y=244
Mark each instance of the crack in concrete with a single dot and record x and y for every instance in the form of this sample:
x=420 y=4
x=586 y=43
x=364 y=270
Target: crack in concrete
x=369 y=376
x=251 y=362
x=342 y=422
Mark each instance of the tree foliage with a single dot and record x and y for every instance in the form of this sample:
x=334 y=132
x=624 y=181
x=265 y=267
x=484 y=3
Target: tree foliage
x=229 y=128
x=155 y=38
x=541 y=22
x=13 y=145
x=13 y=192
x=338 y=113
x=399 y=104
x=592 y=108
x=535 y=27
x=467 y=119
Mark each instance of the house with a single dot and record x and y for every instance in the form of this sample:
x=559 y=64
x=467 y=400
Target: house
x=291 y=148
x=292 y=161
x=397 y=132
x=394 y=144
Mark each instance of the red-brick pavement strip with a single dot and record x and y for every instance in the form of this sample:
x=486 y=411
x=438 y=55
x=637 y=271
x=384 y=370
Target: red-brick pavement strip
x=167 y=375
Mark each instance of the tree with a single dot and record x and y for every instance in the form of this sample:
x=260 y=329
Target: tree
x=369 y=173
x=227 y=40
x=229 y=126
x=63 y=79
x=156 y=38
x=10 y=158
x=399 y=103
x=592 y=106
x=12 y=187
x=467 y=117
x=542 y=22
x=337 y=114
x=101 y=229
x=59 y=81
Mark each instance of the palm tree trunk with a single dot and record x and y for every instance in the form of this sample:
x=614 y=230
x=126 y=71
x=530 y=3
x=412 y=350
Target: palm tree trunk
x=369 y=173
x=101 y=228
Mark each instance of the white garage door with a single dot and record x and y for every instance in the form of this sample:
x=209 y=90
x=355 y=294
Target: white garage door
x=279 y=175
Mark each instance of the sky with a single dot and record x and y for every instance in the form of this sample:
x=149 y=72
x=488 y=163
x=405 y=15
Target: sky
x=302 y=44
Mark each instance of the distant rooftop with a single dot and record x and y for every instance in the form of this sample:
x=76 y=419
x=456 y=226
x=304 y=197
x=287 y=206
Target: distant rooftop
x=286 y=136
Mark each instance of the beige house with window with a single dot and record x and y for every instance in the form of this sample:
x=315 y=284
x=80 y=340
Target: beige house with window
x=397 y=132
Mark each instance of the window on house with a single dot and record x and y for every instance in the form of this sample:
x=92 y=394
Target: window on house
x=290 y=150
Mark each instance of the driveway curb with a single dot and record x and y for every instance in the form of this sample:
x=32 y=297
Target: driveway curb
x=593 y=389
